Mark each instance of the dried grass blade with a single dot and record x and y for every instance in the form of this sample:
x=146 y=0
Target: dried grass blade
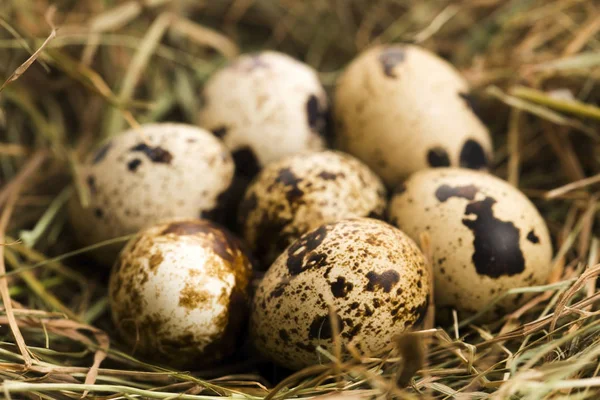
x=206 y=37
x=25 y=66
x=578 y=108
x=540 y=111
x=134 y=73
x=13 y=193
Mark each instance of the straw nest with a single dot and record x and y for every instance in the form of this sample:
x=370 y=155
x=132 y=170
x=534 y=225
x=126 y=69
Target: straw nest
x=79 y=71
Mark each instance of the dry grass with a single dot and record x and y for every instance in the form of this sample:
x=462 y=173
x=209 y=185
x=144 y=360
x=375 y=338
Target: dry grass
x=535 y=67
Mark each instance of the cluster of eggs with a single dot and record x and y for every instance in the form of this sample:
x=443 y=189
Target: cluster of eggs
x=312 y=219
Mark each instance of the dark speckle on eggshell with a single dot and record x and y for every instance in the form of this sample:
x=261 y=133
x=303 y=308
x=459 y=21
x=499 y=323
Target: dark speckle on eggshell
x=287 y=178
x=220 y=132
x=134 y=164
x=384 y=281
x=302 y=255
x=472 y=155
x=156 y=154
x=532 y=237
x=101 y=153
x=497 y=250
x=438 y=157
x=445 y=192
x=302 y=299
x=328 y=176
x=389 y=58
x=341 y=288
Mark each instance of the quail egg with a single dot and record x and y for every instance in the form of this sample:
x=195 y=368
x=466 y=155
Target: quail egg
x=371 y=274
x=400 y=109
x=265 y=106
x=291 y=196
x=179 y=292
x=486 y=237
x=146 y=175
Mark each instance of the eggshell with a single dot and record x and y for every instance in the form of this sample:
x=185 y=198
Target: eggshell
x=400 y=109
x=298 y=193
x=179 y=293
x=265 y=106
x=371 y=274
x=486 y=237
x=143 y=176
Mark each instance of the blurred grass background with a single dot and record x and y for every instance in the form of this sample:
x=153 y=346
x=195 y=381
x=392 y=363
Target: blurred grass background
x=534 y=67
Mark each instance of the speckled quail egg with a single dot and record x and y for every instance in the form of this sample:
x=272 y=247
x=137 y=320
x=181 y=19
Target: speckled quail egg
x=146 y=175
x=370 y=273
x=179 y=292
x=296 y=194
x=400 y=109
x=486 y=237
x=265 y=106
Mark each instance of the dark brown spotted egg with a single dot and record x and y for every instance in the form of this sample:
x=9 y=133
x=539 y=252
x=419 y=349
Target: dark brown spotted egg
x=400 y=109
x=146 y=175
x=265 y=106
x=372 y=276
x=486 y=237
x=179 y=292
x=296 y=194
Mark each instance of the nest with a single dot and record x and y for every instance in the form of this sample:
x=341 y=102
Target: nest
x=79 y=71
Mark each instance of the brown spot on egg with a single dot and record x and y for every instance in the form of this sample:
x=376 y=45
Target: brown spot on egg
x=155 y=154
x=155 y=260
x=283 y=334
x=101 y=153
x=472 y=155
x=438 y=157
x=389 y=58
x=301 y=255
x=134 y=164
x=341 y=288
x=219 y=132
x=445 y=192
x=532 y=237
x=384 y=281
x=329 y=176
x=279 y=289
x=287 y=178
x=497 y=250
x=191 y=298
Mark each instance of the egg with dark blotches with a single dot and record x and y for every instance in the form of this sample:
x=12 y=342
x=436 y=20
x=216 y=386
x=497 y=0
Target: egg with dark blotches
x=265 y=106
x=296 y=194
x=401 y=108
x=486 y=237
x=179 y=293
x=146 y=175
x=367 y=276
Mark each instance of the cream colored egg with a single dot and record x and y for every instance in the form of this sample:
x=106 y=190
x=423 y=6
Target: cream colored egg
x=371 y=274
x=265 y=106
x=486 y=237
x=179 y=293
x=400 y=109
x=298 y=193
x=147 y=175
